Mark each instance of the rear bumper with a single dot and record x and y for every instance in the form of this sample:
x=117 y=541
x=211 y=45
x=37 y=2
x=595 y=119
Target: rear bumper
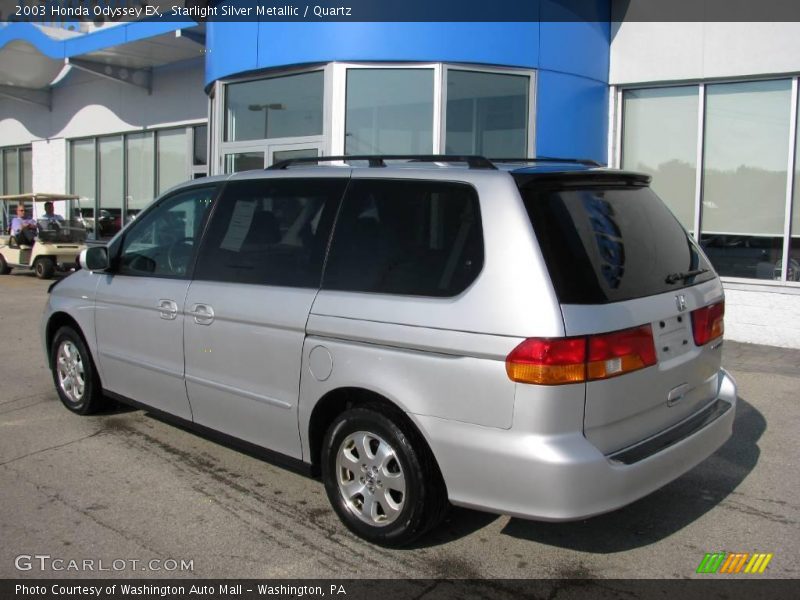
x=564 y=477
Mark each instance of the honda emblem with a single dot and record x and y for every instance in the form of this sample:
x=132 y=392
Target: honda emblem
x=680 y=300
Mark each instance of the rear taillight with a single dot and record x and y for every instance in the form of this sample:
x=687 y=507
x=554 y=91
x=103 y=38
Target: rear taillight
x=708 y=323
x=553 y=361
x=548 y=361
x=612 y=354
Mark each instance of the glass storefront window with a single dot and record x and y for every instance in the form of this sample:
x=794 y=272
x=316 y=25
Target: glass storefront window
x=16 y=170
x=793 y=273
x=11 y=170
x=26 y=168
x=82 y=178
x=109 y=220
x=389 y=111
x=140 y=171
x=487 y=114
x=172 y=158
x=4 y=225
x=289 y=106
x=200 y=145
x=373 y=109
x=243 y=161
x=659 y=137
x=110 y=185
x=280 y=155
x=744 y=177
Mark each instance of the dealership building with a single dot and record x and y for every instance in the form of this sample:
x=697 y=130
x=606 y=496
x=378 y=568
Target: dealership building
x=118 y=113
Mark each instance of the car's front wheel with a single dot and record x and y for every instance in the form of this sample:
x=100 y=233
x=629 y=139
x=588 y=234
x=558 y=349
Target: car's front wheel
x=74 y=374
x=381 y=477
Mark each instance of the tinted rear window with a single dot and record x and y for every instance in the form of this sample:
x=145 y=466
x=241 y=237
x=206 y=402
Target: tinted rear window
x=270 y=232
x=420 y=238
x=608 y=244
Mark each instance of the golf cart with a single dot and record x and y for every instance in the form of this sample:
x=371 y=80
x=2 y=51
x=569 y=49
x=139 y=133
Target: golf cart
x=58 y=242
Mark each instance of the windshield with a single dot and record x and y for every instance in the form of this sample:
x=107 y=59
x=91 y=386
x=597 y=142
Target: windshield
x=612 y=243
x=55 y=227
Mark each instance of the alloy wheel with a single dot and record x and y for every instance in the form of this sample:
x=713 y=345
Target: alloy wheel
x=71 y=373
x=370 y=478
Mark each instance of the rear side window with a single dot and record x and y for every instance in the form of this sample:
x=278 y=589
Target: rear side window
x=419 y=238
x=270 y=232
x=609 y=244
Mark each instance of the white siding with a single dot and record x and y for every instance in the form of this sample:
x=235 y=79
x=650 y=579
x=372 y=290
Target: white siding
x=86 y=105
x=763 y=317
x=644 y=52
x=49 y=166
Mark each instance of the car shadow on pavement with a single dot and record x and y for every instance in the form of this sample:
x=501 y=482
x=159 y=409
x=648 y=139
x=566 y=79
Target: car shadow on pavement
x=665 y=511
x=111 y=407
x=459 y=522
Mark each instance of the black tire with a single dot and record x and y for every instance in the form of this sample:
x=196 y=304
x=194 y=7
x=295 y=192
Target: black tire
x=423 y=503
x=44 y=268
x=85 y=399
x=4 y=268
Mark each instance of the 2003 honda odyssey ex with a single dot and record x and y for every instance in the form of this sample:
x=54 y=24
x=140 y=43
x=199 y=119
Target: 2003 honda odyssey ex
x=536 y=338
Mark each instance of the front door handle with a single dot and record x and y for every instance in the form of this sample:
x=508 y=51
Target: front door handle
x=203 y=314
x=167 y=309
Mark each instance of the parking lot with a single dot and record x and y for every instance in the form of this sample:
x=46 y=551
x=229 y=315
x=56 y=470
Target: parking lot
x=124 y=486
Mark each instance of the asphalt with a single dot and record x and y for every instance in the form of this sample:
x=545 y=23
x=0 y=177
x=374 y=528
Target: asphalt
x=126 y=486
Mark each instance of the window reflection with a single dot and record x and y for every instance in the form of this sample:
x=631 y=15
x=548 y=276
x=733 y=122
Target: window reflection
x=389 y=111
x=660 y=139
x=243 y=161
x=745 y=158
x=109 y=219
x=487 y=114
x=279 y=107
x=794 y=245
x=116 y=185
x=744 y=177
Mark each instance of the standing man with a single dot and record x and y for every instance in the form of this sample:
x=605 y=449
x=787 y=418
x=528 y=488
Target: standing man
x=23 y=229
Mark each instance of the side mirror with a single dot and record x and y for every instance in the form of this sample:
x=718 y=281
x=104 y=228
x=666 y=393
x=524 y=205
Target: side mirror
x=94 y=258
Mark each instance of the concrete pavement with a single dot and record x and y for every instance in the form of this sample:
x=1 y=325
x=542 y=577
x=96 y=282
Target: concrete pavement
x=125 y=486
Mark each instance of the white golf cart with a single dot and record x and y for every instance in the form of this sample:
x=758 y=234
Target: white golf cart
x=58 y=242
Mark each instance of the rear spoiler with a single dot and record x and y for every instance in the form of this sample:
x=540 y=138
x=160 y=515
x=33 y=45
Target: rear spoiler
x=581 y=179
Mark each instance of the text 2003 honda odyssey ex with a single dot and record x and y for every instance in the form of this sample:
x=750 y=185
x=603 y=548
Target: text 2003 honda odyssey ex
x=539 y=339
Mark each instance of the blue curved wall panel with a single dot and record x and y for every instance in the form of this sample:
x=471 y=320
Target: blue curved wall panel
x=571 y=117
x=281 y=44
x=571 y=58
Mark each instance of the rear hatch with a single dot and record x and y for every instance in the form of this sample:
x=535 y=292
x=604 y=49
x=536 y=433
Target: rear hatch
x=626 y=272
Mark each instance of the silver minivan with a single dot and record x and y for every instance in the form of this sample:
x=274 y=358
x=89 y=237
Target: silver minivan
x=535 y=338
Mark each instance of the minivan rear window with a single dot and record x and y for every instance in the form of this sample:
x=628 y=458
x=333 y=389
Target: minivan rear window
x=609 y=243
x=406 y=237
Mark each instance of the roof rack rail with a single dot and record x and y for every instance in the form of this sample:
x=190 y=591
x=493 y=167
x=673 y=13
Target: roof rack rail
x=378 y=160
x=550 y=159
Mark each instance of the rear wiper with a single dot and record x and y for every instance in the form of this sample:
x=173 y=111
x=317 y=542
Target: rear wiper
x=673 y=277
